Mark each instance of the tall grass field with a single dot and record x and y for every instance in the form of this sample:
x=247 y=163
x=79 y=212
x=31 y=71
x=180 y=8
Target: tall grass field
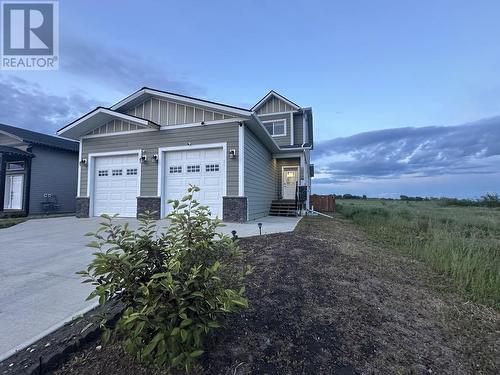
x=460 y=242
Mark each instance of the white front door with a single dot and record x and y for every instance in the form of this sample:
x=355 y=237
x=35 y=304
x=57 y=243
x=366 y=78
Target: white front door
x=116 y=185
x=204 y=168
x=289 y=181
x=13 y=199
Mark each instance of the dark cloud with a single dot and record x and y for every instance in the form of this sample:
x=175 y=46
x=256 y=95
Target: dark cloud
x=411 y=152
x=27 y=105
x=119 y=69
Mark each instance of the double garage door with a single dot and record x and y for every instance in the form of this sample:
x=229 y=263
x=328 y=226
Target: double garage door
x=117 y=180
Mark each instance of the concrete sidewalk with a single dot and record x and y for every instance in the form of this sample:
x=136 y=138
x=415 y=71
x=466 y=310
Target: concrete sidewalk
x=38 y=261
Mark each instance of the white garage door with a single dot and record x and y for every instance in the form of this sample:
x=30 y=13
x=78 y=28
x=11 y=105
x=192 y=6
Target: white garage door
x=116 y=185
x=204 y=168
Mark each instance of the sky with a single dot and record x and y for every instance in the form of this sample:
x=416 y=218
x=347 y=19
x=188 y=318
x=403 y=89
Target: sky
x=405 y=94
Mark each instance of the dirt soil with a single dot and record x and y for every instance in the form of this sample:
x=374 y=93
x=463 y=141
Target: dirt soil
x=327 y=300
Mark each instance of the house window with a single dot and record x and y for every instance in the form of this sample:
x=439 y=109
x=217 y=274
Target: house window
x=102 y=173
x=175 y=169
x=212 y=168
x=132 y=172
x=275 y=128
x=193 y=168
x=116 y=172
x=15 y=166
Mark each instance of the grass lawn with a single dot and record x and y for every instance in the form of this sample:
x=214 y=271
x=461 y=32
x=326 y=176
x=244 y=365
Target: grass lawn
x=461 y=242
x=326 y=299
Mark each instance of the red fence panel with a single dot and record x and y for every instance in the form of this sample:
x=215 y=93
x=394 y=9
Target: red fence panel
x=323 y=203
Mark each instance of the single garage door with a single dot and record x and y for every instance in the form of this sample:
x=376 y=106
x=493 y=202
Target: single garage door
x=204 y=168
x=116 y=185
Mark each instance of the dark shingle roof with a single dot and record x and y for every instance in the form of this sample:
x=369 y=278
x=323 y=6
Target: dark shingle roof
x=29 y=136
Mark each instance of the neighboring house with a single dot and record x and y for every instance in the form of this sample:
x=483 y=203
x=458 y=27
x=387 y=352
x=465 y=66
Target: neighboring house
x=150 y=146
x=37 y=172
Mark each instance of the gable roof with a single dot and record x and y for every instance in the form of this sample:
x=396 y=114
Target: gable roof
x=32 y=137
x=145 y=92
x=271 y=93
x=100 y=116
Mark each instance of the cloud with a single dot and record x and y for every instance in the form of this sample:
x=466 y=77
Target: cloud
x=120 y=69
x=469 y=149
x=29 y=106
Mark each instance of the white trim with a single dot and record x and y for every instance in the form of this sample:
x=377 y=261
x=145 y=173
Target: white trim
x=241 y=160
x=194 y=124
x=106 y=111
x=79 y=180
x=273 y=121
x=291 y=129
x=279 y=96
x=276 y=113
x=91 y=173
x=161 y=168
x=118 y=133
x=287 y=156
x=198 y=102
x=283 y=171
x=304 y=127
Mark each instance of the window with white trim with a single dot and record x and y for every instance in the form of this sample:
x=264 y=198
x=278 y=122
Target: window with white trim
x=116 y=172
x=132 y=172
x=175 y=169
x=212 y=168
x=102 y=173
x=276 y=127
x=193 y=168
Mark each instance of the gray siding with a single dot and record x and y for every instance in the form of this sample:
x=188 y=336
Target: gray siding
x=170 y=112
x=273 y=105
x=281 y=140
x=260 y=180
x=53 y=171
x=151 y=141
x=298 y=129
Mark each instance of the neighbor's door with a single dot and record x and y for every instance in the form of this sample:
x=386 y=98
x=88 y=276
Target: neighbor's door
x=289 y=181
x=13 y=199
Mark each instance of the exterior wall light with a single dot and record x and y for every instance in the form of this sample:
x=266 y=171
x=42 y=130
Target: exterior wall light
x=155 y=157
x=83 y=162
x=232 y=153
x=143 y=158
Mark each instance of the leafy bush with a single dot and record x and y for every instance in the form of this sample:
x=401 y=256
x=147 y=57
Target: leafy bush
x=174 y=285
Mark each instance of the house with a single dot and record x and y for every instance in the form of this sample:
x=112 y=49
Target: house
x=147 y=148
x=37 y=172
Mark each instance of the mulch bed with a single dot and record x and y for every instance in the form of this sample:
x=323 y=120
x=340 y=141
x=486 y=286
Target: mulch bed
x=327 y=300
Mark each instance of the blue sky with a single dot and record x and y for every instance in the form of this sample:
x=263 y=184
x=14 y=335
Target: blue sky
x=364 y=67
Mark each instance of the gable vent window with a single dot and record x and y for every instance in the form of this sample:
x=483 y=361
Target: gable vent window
x=132 y=172
x=176 y=169
x=193 y=168
x=116 y=172
x=212 y=168
x=276 y=128
x=102 y=173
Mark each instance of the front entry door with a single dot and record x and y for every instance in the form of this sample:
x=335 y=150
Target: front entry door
x=289 y=181
x=13 y=199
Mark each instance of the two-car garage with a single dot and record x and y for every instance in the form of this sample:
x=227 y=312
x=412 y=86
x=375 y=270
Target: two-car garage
x=117 y=179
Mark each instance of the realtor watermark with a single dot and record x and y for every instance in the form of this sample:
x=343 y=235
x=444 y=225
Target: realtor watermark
x=29 y=35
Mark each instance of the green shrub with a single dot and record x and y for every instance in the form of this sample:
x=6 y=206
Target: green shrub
x=174 y=285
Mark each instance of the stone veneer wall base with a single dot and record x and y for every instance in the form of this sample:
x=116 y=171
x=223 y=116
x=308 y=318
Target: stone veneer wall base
x=149 y=204
x=82 y=207
x=234 y=209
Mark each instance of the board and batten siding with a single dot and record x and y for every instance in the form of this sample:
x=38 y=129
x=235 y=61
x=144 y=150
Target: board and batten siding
x=169 y=112
x=115 y=126
x=273 y=105
x=259 y=177
x=150 y=142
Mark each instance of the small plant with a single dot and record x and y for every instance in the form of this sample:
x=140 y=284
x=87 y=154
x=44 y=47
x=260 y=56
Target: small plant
x=174 y=285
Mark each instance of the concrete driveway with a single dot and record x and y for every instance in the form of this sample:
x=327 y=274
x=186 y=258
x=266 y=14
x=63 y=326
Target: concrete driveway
x=38 y=260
